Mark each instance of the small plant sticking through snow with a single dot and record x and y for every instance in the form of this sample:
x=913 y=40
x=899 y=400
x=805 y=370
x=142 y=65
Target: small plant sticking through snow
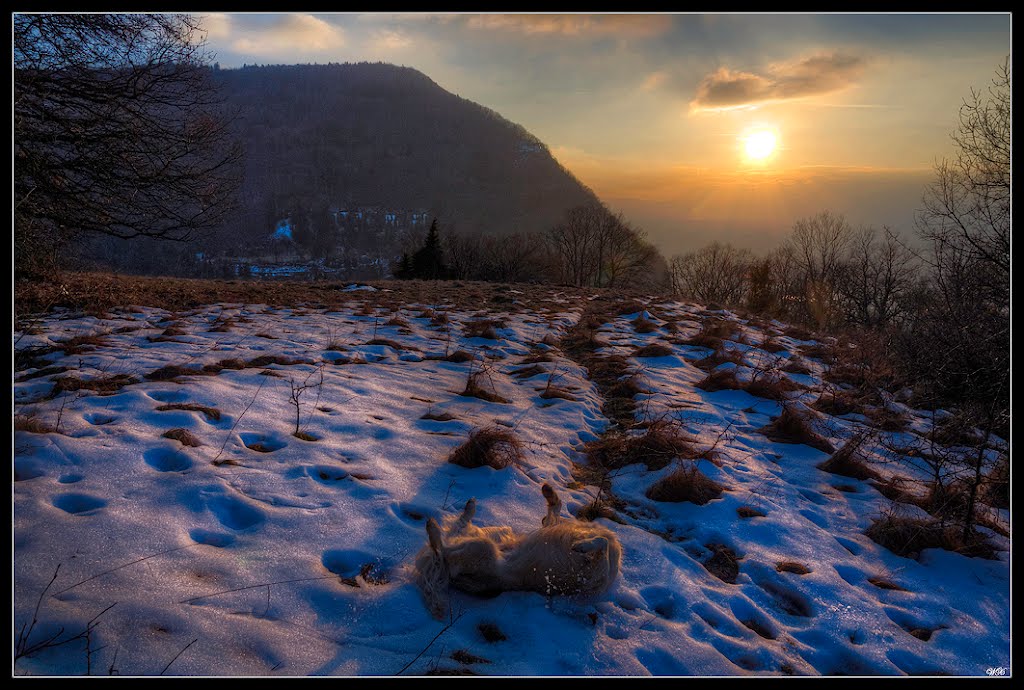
x=492 y=446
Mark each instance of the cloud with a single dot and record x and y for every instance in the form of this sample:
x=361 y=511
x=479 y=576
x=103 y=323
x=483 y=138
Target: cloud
x=216 y=25
x=810 y=76
x=290 y=34
x=618 y=25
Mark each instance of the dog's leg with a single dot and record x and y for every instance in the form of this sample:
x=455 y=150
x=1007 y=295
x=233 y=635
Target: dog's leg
x=554 y=506
x=464 y=521
x=434 y=537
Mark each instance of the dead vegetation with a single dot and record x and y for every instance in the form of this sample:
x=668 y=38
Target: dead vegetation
x=211 y=413
x=792 y=567
x=105 y=385
x=908 y=537
x=686 y=484
x=850 y=461
x=747 y=512
x=473 y=389
x=644 y=325
x=723 y=563
x=492 y=446
x=661 y=443
x=796 y=425
x=32 y=424
x=712 y=332
x=183 y=436
x=653 y=350
x=483 y=328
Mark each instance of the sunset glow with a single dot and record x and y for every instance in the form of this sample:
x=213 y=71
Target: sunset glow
x=758 y=146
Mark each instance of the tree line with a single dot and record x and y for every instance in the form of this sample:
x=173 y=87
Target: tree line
x=589 y=247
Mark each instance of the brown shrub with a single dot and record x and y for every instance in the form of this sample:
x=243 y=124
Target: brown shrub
x=32 y=424
x=40 y=373
x=887 y=420
x=394 y=345
x=824 y=353
x=529 y=371
x=642 y=325
x=773 y=345
x=83 y=343
x=660 y=444
x=721 y=355
x=492 y=446
x=686 y=484
x=653 y=350
x=795 y=426
x=108 y=384
x=629 y=307
x=720 y=379
x=184 y=437
x=212 y=413
x=723 y=563
x=460 y=356
x=484 y=328
x=907 y=537
x=474 y=390
x=836 y=403
x=791 y=567
x=771 y=385
x=848 y=461
x=795 y=366
x=749 y=512
x=439 y=417
x=712 y=332
x=600 y=508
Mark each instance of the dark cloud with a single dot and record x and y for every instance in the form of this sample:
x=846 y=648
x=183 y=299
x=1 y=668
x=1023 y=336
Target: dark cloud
x=808 y=76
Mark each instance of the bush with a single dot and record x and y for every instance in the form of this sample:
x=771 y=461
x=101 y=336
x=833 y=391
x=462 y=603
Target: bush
x=686 y=484
x=908 y=537
x=491 y=446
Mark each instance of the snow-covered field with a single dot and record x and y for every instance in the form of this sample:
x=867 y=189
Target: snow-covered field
x=262 y=553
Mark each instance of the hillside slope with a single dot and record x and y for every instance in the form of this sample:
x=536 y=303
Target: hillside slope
x=156 y=463
x=350 y=136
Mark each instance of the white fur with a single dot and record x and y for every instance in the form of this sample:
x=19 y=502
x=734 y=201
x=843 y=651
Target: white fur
x=563 y=557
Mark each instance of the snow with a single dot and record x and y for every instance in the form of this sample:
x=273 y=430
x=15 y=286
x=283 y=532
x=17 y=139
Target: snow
x=282 y=521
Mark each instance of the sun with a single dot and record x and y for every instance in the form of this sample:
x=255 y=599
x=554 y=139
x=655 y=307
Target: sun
x=759 y=145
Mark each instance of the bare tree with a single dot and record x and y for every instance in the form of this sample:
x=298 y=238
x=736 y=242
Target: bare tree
x=718 y=273
x=818 y=244
x=875 y=278
x=575 y=241
x=118 y=130
x=967 y=207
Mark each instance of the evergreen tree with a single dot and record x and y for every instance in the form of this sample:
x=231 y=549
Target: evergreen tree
x=403 y=271
x=428 y=261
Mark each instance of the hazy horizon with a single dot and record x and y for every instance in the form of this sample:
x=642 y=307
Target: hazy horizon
x=655 y=112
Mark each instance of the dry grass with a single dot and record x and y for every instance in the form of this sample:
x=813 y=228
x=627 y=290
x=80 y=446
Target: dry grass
x=267 y=360
x=552 y=391
x=475 y=390
x=795 y=366
x=629 y=307
x=32 y=424
x=483 y=328
x=211 y=413
x=720 y=379
x=907 y=537
x=996 y=488
x=848 y=461
x=795 y=426
x=599 y=508
x=883 y=583
x=642 y=325
x=686 y=484
x=492 y=446
x=791 y=567
x=173 y=371
x=723 y=564
x=660 y=444
x=823 y=353
x=40 y=373
x=653 y=350
x=439 y=417
x=529 y=371
x=184 y=437
x=83 y=343
x=393 y=344
x=771 y=385
x=103 y=386
x=712 y=332
x=748 y=512
x=836 y=403
x=460 y=356
x=721 y=355
x=305 y=436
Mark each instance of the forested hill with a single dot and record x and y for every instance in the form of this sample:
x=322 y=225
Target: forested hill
x=320 y=137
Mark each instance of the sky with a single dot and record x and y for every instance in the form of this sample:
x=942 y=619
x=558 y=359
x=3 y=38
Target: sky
x=698 y=127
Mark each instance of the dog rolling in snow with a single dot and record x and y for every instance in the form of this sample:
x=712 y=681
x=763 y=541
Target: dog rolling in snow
x=564 y=557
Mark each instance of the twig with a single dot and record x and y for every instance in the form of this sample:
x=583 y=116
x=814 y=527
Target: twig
x=232 y=429
x=177 y=655
x=443 y=630
x=262 y=584
x=125 y=565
